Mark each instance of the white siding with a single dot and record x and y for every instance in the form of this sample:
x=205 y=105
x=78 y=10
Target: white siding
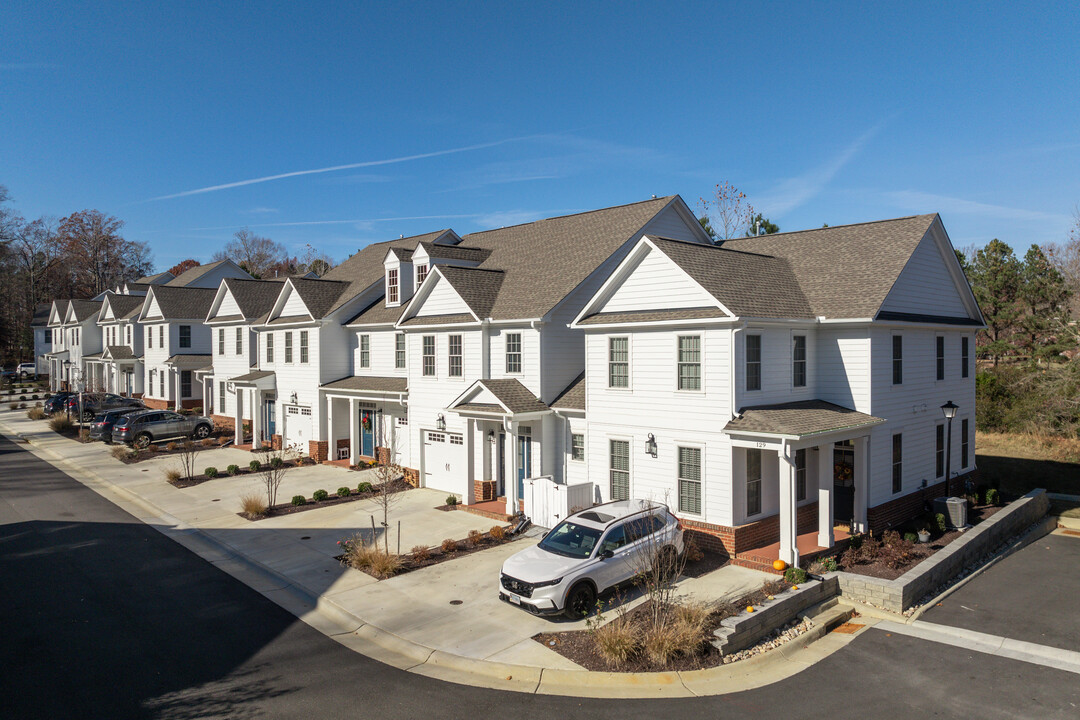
x=228 y=305
x=777 y=356
x=293 y=305
x=925 y=285
x=657 y=283
x=670 y=224
x=441 y=300
x=382 y=349
x=843 y=367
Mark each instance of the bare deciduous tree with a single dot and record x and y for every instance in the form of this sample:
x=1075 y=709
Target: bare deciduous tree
x=728 y=212
x=273 y=472
x=189 y=452
x=387 y=490
x=254 y=253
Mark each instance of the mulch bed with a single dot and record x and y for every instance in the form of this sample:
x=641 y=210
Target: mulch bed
x=920 y=551
x=244 y=470
x=437 y=555
x=580 y=647
x=396 y=486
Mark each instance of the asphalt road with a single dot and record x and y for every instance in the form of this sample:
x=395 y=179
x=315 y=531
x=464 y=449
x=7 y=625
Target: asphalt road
x=103 y=617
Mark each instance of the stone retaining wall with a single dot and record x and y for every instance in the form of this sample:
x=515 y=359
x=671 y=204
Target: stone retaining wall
x=743 y=630
x=903 y=592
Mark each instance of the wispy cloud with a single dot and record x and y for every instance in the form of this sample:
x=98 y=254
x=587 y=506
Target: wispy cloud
x=796 y=191
x=358 y=178
x=336 y=168
x=928 y=202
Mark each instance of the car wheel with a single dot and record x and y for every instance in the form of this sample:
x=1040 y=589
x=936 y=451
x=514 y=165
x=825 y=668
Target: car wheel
x=142 y=440
x=202 y=431
x=580 y=601
x=667 y=562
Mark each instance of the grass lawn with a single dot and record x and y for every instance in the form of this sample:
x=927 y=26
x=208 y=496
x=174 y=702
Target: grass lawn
x=1019 y=462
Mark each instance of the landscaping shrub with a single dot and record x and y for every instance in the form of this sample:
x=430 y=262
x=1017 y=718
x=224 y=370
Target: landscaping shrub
x=361 y=556
x=120 y=452
x=13 y=406
x=233 y=470
x=691 y=550
x=497 y=532
x=823 y=565
x=152 y=448
x=208 y=442
x=421 y=553
x=384 y=565
x=210 y=472
x=22 y=397
x=911 y=537
x=35 y=413
x=255 y=466
x=617 y=640
x=856 y=541
x=172 y=475
x=939 y=520
x=170 y=446
x=365 y=487
x=319 y=495
x=276 y=462
x=795 y=575
x=221 y=441
x=38 y=404
x=451 y=500
x=253 y=504
x=84 y=435
x=299 y=500
x=22 y=406
x=449 y=545
x=34 y=396
x=343 y=492
x=475 y=537
x=993 y=497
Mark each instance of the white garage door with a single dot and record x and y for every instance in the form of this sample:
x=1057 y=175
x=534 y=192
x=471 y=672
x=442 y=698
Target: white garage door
x=297 y=428
x=444 y=462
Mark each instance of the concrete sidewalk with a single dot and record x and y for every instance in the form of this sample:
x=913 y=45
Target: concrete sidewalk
x=408 y=621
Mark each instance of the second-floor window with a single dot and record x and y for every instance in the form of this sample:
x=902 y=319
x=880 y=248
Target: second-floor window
x=303 y=347
x=429 y=355
x=239 y=341
x=221 y=341
x=689 y=362
x=753 y=363
x=618 y=362
x=897 y=359
x=269 y=347
x=128 y=334
x=161 y=336
x=513 y=352
x=454 y=369
x=399 y=350
x=392 y=285
x=964 y=350
x=365 y=351
x=421 y=273
x=185 y=336
x=288 y=347
x=798 y=362
x=940 y=357
x=897 y=463
x=149 y=337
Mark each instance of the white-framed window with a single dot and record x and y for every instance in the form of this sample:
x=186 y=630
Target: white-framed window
x=269 y=347
x=399 y=351
x=753 y=363
x=153 y=374
x=303 y=347
x=689 y=362
x=897 y=462
x=800 y=475
x=161 y=383
x=940 y=340
x=798 y=361
x=221 y=341
x=392 y=285
x=402 y=421
x=965 y=358
x=288 y=348
x=619 y=362
x=454 y=369
x=690 y=480
x=939 y=453
x=620 y=469
x=753 y=482
x=185 y=383
x=421 y=274
x=221 y=397
x=897 y=359
x=239 y=341
x=149 y=338
x=128 y=333
x=436 y=437
x=161 y=336
x=577 y=446
x=185 y=336
x=428 y=342
x=513 y=352
x=457 y=439
x=365 y=351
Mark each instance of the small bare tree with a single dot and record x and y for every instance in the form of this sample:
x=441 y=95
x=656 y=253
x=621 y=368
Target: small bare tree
x=387 y=491
x=189 y=451
x=728 y=213
x=273 y=472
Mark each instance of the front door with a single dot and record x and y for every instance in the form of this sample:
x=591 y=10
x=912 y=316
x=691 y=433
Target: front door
x=271 y=415
x=844 y=481
x=367 y=433
x=524 y=461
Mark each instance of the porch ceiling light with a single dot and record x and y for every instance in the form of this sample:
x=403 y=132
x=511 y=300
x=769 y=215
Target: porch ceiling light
x=650 y=445
x=949 y=410
x=440 y=422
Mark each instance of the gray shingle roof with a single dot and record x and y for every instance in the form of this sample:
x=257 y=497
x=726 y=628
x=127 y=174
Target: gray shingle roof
x=844 y=271
x=652 y=316
x=808 y=417
x=85 y=309
x=192 y=274
x=161 y=277
x=124 y=306
x=455 y=252
x=120 y=352
x=41 y=315
x=61 y=309
x=376 y=313
x=516 y=397
x=573 y=397
x=253 y=375
x=321 y=296
x=255 y=297
x=183 y=303
x=370 y=384
x=187 y=361
x=478 y=287
x=439 y=320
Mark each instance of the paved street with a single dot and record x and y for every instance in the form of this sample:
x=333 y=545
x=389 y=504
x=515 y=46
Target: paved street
x=103 y=616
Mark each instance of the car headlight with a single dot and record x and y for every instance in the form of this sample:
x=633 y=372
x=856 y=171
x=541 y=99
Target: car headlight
x=547 y=583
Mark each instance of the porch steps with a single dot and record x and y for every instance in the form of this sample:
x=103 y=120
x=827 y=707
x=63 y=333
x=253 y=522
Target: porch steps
x=489 y=509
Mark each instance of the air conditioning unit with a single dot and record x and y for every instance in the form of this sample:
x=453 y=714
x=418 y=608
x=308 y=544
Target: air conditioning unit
x=954 y=509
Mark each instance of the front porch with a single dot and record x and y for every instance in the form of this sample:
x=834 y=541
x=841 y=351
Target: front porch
x=363 y=414
x=762 y=558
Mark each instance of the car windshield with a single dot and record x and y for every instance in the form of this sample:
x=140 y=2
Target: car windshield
x=571 y=540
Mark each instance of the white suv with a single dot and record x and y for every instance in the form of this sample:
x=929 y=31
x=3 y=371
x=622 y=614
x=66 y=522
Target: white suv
x=25 y=370
x=588 y=553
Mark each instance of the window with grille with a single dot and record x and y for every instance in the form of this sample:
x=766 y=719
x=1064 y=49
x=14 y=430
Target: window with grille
x=455 y=356
x=689 y=362
x=618 y=362
x=753 y=482
x=161 y=336
x=964 y=356
x=185 y=383
x=221 y=397
x=128 y=334
x=269 y=347
x=239 y=341
x=798 y=362
x=399 y=350
x=365 y=351
x=457 y=440
x=185 y=336
x=964 y=443
x=303 y=346
x=800 y=475
x=421 y=274
x=436 y=437
x=392 y=285
x=149 y=337
x=161 y=383
x=690 y=480
x=897 y=463
x=577 y=446
x=753 y=362
x=305 y=411
x=403 y=421
x=429 y=355
x=897 y=359
x=940 y=357
x=221 y=341
x=620 y=469
x=940 y=454
x=513 y=352
x=288 y=347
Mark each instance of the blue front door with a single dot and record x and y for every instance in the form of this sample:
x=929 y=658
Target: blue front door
x=270 y=416
x=367 y=433
x=524 y=462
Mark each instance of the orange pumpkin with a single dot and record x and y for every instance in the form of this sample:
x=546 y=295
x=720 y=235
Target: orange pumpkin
x=779 y=565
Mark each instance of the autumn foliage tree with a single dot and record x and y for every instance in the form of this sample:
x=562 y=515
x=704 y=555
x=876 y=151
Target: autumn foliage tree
x=99 y=256
x=183 y=266
x=727 y=212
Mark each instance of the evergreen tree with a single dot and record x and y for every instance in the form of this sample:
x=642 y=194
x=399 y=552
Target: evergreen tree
x=1044 y=295
x=995 y=280
x=761 y=225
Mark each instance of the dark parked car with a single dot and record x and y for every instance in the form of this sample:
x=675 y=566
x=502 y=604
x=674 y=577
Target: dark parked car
x=55 y=403
x=141 y=429
x=94 y=403
x=102 y=426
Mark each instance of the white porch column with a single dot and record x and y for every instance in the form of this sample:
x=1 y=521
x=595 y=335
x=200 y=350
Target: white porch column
x=176 y=388
x=331 y=443
x=256 y=418
x=238 y=416
x=862 y=476
x=825 y=496
x=354 y=431
x=511 y=471
x=207 y=384
x=789 y=549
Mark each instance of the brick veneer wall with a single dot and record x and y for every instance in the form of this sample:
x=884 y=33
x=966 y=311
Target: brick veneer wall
x=318 y=449
x=412 y=476
x=341 y=443
x=382 y=455
x=483 y=490
x=896 y=512
x=159 y=404
x=275 y=442
x=733 y=540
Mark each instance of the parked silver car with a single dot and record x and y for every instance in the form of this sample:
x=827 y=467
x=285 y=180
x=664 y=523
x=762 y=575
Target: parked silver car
x=141 y=429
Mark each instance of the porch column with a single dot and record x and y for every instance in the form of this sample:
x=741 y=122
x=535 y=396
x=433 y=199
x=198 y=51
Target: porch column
x=511 y=471
x=256 y=418
x=789 y=548
x=862 y=475
x=354 y=431
x=238 y=416
x=331 y=444
x=207 y=382
x=825 y=496
x=176 y=387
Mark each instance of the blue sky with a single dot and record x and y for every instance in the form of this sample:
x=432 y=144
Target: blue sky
x=478 y=115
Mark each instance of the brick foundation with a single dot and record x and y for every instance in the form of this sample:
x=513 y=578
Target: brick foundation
x=275 y=442
x=382 y=455
x=412 y=476
x=483 y=490
x=731 y=541
x=158 y=404
x=318 y=450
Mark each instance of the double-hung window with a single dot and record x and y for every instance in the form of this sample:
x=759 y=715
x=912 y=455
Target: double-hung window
x=964 y=457
x=161 y=384
x=753 y=481
x=185 y=383
x=940 y=453
x=897 y=359
x=798 y=362
x=940 y=357
x=513 y=352
x=620 y=469
x=221 y=397
x=619 y=362
x=429 y=355
x=689 y=362
x=128 y=333
x=399 y=351
x=690 y=480
x=288 y=347
x=303 y=346
x=577 y=446
x=897 y=463
x=421 y=274
x=185 y=336
x=454 y=369
x=269 y=347
x=365 y=351
x=964 y=357
x=800 y=475
x=161 y=336
x=221 y=341
x=392 y=285
x=239 y=341
x=149 y=338
x=753 y=363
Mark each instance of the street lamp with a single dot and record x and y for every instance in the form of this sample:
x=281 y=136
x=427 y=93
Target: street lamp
x=949 y=411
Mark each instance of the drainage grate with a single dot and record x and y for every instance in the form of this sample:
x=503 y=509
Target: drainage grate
x=849 y=628
x=456 y=602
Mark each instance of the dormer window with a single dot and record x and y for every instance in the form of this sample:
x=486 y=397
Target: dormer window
x=421 y=273
x=392 y=285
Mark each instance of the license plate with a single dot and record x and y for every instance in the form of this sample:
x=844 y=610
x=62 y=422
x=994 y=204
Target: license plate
x=515 y=599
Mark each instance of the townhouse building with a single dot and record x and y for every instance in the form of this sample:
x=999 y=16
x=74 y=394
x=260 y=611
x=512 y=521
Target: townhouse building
x=177 y=343
x=119 y=365
x=39 y=325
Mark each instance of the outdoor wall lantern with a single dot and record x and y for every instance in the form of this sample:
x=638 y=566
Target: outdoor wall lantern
x=650 y=445
x=440 y=422
x=294 y=398
x=491 y=436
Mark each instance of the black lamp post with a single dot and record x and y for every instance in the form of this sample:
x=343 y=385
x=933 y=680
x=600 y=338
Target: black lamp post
x=949 y=411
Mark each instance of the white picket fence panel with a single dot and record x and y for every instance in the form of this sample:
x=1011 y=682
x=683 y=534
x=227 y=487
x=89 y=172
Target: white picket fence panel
x=547 y=503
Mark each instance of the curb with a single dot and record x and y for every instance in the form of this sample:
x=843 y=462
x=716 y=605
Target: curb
x=384 y=646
